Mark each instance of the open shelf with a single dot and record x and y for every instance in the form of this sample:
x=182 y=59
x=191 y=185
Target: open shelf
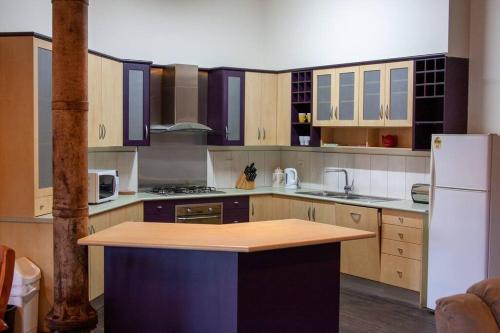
x=302 y=103
x=366 y=137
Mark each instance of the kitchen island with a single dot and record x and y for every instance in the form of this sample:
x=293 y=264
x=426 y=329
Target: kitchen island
x=265 y=276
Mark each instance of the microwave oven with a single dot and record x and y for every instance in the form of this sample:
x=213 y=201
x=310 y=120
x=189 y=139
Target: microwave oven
x=103 y=185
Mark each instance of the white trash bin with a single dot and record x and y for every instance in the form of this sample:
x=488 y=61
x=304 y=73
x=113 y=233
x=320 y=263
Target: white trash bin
x=24 y=295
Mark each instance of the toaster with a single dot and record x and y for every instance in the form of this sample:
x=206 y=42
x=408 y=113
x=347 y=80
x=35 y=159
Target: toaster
x=420 y=193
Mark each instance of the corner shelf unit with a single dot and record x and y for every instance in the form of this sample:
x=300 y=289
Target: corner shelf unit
x=302 y=103
x=440 y=98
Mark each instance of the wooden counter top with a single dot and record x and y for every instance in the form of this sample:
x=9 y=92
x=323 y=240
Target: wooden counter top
x=238 y=237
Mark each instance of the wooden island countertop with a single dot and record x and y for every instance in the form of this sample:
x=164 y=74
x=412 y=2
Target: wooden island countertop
x=238 y=237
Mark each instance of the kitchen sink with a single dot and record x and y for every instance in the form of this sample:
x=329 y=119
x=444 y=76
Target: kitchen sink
x=342 y=195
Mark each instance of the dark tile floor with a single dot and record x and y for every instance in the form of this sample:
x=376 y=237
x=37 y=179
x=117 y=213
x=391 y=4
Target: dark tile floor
x=364 y=307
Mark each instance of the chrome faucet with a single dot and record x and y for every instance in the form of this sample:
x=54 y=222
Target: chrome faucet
x=347 y=188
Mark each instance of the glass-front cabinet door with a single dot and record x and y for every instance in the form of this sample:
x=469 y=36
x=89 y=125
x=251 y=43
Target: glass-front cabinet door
x=136 y=77
x=372 y=95
x=345 y=107
x=44 y=118
x=323 y=92
x=234 y=82
x=399 y=94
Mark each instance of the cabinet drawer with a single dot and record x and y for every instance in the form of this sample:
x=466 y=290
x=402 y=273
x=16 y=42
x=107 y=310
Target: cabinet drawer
x=235 y=216
x=240 y=202
x=402 y=234
x=401 y=272
x=402 y=249
x=404 y=219
x=43 y=205
x=159 y=211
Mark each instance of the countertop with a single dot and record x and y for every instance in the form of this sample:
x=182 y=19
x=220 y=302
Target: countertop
x=124 y=200
x=237 y=237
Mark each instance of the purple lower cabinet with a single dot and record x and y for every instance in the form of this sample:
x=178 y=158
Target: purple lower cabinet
x=235 y=216
x=165 y=290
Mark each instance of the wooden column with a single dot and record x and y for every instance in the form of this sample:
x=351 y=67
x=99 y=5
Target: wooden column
x=71 y=311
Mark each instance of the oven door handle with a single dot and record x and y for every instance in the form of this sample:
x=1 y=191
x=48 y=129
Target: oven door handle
x=197 y=217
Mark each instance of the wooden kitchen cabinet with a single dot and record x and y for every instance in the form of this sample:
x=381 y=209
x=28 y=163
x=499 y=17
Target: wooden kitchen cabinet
x=105 y=115
x=360 y=257
x=261 y=208
x=301 y=209
x=335 y=94
x=136 y=86
x=260 y=109
x=96 y=256
x=283 y=109
x=310 y=210
x=131 y=213
x=402 y=249
x=281 y=208
x=386 y=95
x=25 y=126
x=226 y=107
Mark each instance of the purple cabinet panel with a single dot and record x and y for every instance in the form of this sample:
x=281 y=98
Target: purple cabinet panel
x=136 y=85
x=226 y=107
x=235 y=209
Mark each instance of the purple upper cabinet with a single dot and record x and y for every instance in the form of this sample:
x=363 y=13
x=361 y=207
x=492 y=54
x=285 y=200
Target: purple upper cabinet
x=226 y=107
x=136 y=77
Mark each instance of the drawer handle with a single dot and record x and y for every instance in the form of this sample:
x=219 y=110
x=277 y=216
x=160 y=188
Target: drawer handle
x=236 y=203
x=41 y=206
x=401 y=219
x=400 y=234
x=159 y=207
x=400 y=250
x=400 y=274
x=356 y=217
x=236 y=221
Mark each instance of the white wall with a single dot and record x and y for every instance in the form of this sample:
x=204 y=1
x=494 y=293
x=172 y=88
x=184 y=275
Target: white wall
x=272 y=34
x=484 y=67
x=322 y=32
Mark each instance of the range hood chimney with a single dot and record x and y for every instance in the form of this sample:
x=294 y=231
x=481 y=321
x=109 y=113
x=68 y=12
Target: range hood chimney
x=174 y=100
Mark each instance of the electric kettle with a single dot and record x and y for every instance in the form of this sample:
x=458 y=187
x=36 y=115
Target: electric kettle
x=291 y=178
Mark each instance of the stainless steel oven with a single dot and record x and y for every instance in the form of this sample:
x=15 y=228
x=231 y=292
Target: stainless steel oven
x=205 y=213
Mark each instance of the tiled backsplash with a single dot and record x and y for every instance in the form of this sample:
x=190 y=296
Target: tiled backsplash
x=224 y=167
x=380 y=175
x=123 y=161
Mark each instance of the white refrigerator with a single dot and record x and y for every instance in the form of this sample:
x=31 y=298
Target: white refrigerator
x=464 y=233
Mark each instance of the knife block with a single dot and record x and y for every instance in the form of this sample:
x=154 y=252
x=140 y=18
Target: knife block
x=243 y=183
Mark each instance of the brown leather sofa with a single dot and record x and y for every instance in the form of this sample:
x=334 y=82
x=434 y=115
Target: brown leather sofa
x=477 y=311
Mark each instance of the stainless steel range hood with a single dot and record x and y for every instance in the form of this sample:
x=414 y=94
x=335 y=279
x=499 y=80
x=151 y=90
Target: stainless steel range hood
x=174 y=100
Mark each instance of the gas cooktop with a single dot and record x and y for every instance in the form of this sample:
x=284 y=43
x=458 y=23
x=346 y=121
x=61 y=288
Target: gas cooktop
x=169 y=189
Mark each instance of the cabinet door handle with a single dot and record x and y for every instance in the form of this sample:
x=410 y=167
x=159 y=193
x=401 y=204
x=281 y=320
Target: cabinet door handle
x=387 y=111
x=89 y=230
x=400 y=250
x=253 y=210
x=146 y=130
x=381 y=113
x=400 y=234
x=356 y=217
x=309 y=213
x=331 y=112
x=100 y=132
x=400 y=274
x=263 y=133
x=227 y=133
x=314 y=213
x=104 y=130
x=401 y=219
x=336 y=113
x=258 y=133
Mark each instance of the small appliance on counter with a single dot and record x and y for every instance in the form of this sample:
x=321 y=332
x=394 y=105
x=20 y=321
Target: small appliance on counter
x=278 y=178
x=420 y=193
x=389 y=141
x=291 y=178
x=103 y=185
